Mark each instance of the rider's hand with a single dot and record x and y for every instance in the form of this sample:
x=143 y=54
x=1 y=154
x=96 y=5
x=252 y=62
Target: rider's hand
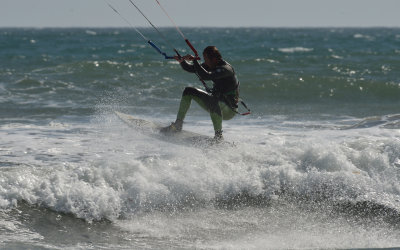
x=179 y=58
x=189 y=57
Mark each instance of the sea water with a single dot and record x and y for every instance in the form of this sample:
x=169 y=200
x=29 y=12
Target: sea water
x=316 y=165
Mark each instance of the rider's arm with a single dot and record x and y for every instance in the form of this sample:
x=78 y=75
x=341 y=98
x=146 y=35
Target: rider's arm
x=219 y=72
x=187 y=67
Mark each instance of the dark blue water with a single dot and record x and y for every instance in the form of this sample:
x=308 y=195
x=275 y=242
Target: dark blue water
x=329 y=71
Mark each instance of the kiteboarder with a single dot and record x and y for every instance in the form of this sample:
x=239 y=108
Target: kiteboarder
x=221 y=101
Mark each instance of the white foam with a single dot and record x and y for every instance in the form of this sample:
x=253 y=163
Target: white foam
x=107 y=170
x=362 y=36
x=91 y=32
x=295 y=49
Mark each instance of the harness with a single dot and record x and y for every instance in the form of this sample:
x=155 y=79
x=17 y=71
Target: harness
x=233 y=94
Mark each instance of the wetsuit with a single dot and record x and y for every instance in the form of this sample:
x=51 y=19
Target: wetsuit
x=221 y=103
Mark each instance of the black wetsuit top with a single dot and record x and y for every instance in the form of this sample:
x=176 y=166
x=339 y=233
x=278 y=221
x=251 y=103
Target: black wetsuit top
x=224 y=79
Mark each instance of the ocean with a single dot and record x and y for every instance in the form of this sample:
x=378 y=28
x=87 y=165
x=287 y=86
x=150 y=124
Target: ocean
x=315 y=166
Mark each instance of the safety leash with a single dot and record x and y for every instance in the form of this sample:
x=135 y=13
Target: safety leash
x=158 y=31
x=188 y=43
x=245 y=106
x=180 y=32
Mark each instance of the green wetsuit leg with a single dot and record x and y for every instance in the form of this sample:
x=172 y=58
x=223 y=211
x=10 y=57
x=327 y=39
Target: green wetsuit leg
x=218 y=110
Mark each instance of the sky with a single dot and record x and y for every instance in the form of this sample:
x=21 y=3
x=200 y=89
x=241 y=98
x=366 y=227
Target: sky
x=201 y=13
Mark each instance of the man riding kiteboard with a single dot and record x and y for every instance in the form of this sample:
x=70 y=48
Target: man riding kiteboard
x=220 y=101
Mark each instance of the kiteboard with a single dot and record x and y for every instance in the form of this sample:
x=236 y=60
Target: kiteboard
x=152 y=129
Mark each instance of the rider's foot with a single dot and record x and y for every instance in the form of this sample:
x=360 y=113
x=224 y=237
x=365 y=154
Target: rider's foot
x=174 y=127
x=218 y=136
